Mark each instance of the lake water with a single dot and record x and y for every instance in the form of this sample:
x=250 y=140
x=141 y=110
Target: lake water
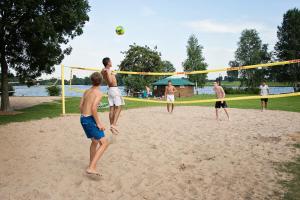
x=273 y=90
x=41 y=90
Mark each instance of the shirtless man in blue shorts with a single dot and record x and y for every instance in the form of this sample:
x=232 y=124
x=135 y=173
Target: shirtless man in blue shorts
x=91 y=123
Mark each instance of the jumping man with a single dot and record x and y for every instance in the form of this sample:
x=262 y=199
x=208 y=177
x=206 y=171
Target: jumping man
x=115 y=99
x=220 y=95
x=169 y=94
x=91 y=124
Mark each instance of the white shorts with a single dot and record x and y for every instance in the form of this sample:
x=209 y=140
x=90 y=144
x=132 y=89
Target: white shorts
x=114 y=97
x=170 y=98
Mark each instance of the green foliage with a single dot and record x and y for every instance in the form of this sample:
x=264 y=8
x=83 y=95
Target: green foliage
x=142 y=59
x=81 y=81
x=135 y=83
x=53 y=90
x=230 y=90
x=33 y=34
x=167 y=66
x=51 y=81
x=195 y=61
x=233 y=75
x=288 y=47
x=251 y=51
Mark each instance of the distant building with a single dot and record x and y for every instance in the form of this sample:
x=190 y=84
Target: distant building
x=185 y=88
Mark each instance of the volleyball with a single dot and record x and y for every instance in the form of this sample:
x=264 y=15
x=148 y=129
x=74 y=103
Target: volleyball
x=120 y=30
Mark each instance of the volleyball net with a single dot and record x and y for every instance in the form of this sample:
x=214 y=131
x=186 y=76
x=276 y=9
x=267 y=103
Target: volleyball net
x=74 y=69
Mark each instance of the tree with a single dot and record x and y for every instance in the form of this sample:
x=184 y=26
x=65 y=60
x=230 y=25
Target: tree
x=167 y=66
x=32 y=33
x=195 y=61
x=142 y=59
x=288 y=46
x=251 y=51
x=233 y=75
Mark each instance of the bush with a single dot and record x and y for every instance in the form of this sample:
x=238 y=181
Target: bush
x=229 y=90
x=11 y=90
x=53 y=90
x=252 y=90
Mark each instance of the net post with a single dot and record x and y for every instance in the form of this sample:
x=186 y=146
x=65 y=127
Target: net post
x=63 y=89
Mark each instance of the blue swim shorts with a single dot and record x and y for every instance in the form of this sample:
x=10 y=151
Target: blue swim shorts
x=90 y=128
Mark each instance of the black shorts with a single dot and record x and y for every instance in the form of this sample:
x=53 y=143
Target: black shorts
x=221 y=105
x=264 y=99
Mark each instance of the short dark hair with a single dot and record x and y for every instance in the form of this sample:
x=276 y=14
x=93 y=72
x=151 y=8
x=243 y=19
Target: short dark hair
x=96 y=78
x=169 y=81
x=105 y=61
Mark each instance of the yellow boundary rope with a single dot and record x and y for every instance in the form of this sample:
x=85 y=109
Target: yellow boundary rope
x=203 y=100
x=196 y=72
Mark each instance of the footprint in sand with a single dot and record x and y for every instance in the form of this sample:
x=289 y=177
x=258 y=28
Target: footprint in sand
x=182 y=167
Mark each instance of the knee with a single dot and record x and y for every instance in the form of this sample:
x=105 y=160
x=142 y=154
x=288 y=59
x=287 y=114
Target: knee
x=95 y=143
x=104 y=142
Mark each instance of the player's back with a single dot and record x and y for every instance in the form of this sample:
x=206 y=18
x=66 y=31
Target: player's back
x=88 y=101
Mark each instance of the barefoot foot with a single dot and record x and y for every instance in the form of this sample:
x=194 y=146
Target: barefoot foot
x=92 y=172
x=114 y=130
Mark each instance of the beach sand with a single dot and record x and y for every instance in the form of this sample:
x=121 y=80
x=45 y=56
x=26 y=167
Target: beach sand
x=184 y=155
x=25 y=102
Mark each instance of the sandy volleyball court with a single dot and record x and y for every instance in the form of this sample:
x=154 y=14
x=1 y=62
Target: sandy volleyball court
x=25 y=102
x=187 y=155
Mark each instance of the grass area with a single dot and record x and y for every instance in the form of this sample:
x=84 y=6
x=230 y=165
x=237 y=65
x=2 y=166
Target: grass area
x=53 y=109
x=238 y=83
x=225 y=83
x=292 y=186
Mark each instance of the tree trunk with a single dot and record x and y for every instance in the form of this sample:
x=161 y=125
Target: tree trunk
x=4 y=83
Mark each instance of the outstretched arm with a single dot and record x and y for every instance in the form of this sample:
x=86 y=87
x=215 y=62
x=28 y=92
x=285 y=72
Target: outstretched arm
x=95 y=112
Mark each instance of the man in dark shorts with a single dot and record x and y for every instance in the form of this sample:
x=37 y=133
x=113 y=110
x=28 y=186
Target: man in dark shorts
x=219 y=104
x=220 y=93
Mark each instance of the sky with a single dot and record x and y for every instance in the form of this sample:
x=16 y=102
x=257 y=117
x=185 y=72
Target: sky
x=167 y=24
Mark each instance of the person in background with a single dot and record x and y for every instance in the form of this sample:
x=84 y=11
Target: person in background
x=148 y=91
x=264 y=91
x=220 y=93
x=170 y=96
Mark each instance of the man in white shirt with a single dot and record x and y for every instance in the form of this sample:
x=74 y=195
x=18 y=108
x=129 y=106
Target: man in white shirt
x=264 y=91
